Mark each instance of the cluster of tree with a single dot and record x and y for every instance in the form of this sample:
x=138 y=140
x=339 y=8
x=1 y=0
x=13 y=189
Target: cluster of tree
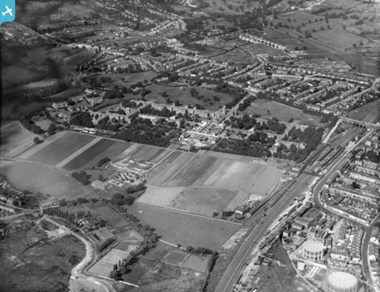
x=275 y=126
x=210 y=267
x=102 y=161
x=82 y=177
x=72 y=218
x=199 y=250
x=144 y=131
x=124 y=266
x=112 y=94
x=129 y=103
x=107 y=124
x=31 y=126
x=245 y=122
x=37 y=140
x=372 y=156
x=243 y=147
x=131 y=194
x=246 y=103
x=83 y=119
x=310 y=137
x=164 y=112
x=106 y=243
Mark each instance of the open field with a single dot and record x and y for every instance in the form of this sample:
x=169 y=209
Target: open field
x=61 y=148
x=162 y=172
x=183 y=95
x=193 y=172
x=44 y=267
x=113 y=218
x=186 y=229
x=203 y=184
x=101 y=268
x=196 y=263
x=14 y=139
x=280 y=111
x=369 y=112
x=34 y=177
x=103 y=148
x=203 y=201
x=175 y=258
x=341 y=39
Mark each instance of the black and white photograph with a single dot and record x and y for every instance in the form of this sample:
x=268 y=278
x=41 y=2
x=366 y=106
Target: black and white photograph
x=190 y=146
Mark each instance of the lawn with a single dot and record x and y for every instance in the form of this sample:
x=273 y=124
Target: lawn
x=162 y=172
x=113 y=218
x=103 y=148
x=369 y=112
x=43 y=267
x=203 y=201
x=14 y=139
x=280 y=111
x=204 y=184
x=186 y=229
x=196 y=263
x=61 y=148
x=340 y=39
x=194 y=171
x=33 y=177
x=175 y=258
x=183 y=95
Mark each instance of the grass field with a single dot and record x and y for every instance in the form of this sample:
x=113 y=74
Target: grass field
x=113 y=218
x=185 y=229
x=43 y=267
x=175 y=258
x=196 y=263
x=14 y=139
x=280 y=111
x=47 y=180
x=103 y=148
x=203 y=184
x=61 y=148
x=183 y=95
x=369 y=112
x=341 y=39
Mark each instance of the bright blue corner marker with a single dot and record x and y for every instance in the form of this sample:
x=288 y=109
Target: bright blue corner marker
x=7 y=11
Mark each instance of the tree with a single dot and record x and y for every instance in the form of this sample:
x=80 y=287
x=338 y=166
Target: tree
x=37 y=140
x=52 y=129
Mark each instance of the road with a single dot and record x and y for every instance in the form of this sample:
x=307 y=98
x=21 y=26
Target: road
x=77 y=274
x=257 y=232
x=365 y=245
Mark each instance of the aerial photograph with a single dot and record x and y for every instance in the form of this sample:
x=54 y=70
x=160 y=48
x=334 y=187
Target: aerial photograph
x=190 y=146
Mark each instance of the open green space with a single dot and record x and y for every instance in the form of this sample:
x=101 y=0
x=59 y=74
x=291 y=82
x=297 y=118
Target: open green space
x=34 y=177
x=369 y=112
x=283 y=112
x=61 y=148
x=183 y=95
x=185 y=229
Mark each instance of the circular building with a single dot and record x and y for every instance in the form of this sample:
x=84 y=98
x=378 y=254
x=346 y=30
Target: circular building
x=313 y=250
x=337 y=281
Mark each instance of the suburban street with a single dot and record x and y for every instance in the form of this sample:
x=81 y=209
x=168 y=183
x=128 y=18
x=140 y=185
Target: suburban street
x=257 y=232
